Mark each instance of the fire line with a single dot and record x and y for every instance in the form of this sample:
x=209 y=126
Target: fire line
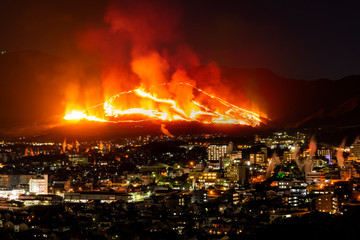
x=152 y=107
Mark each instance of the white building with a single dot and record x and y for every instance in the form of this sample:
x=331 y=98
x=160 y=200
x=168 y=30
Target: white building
x=218 y=151
x=39 y=185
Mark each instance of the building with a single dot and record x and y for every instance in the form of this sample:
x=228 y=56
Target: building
x=343 y=190
x=324 y=152
x=315 y=177
x=12 y=194
x=219 y=151
x=237 y=173
x=146 y=179
x=287 y=155
x=258 y=158
x=39 y=185
x=264 y=150
x=14 y=180
x=285 y=184
x=133 y=177
x=42 y=199
x=236 y=157
x=205 y=178
x=84 y=197
x=79 y=158
x=199 y=196
x=326 y=203
x=355 y=150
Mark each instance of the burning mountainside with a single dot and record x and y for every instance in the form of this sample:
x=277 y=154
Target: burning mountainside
x=139 y=105
x=144 y=58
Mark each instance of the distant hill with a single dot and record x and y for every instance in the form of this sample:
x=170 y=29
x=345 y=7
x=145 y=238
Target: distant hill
x=296 y=103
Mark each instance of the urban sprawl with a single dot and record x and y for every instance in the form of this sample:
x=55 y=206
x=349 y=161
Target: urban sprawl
x=194 y=187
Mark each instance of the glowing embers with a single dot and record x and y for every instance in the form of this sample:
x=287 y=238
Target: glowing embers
x=141 y=105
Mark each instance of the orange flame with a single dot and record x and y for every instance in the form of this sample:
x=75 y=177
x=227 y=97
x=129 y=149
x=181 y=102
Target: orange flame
x=78 y=115
x=204 y=108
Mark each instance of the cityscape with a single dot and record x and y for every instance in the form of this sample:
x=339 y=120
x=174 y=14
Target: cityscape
x=124 y=119
x=202 y=186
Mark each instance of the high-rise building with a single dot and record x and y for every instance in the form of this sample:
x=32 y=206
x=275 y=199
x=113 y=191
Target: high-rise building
x=264 y=150
x=218 y=151
x=237 y=173
x=355 y=150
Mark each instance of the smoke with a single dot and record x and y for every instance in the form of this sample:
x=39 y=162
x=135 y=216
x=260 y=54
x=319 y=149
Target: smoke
x=27 y=150
x=295 y=151
x=77 y=144
x=150 y=29
x=312 y=147
x=307 y=165
x=64 y=146
x=339 y=153
x=272 y=165
x=165 y=131
x=357 y=140
x=141 y=45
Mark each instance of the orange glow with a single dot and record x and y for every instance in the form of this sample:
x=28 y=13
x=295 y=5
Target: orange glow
x=140 y=105
x=79 y=115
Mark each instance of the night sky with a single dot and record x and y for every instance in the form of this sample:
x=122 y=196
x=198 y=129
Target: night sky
x=297 y=39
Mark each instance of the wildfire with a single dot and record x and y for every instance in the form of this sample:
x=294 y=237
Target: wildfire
x=141 y=105
x=78 y=115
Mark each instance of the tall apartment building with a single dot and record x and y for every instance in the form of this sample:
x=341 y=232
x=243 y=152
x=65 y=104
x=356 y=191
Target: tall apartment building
x=217 y=154
x=355 y=150
x=218 y=151
x=237 y=173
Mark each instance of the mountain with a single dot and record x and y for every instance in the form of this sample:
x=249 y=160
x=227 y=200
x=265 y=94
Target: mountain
x=296 y=103
x=34 y=85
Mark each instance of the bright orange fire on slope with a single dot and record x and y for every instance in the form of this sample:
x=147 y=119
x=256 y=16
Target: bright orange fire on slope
x=139 y=105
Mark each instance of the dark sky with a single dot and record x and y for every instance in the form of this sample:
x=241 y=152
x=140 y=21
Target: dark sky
x=298 y=39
